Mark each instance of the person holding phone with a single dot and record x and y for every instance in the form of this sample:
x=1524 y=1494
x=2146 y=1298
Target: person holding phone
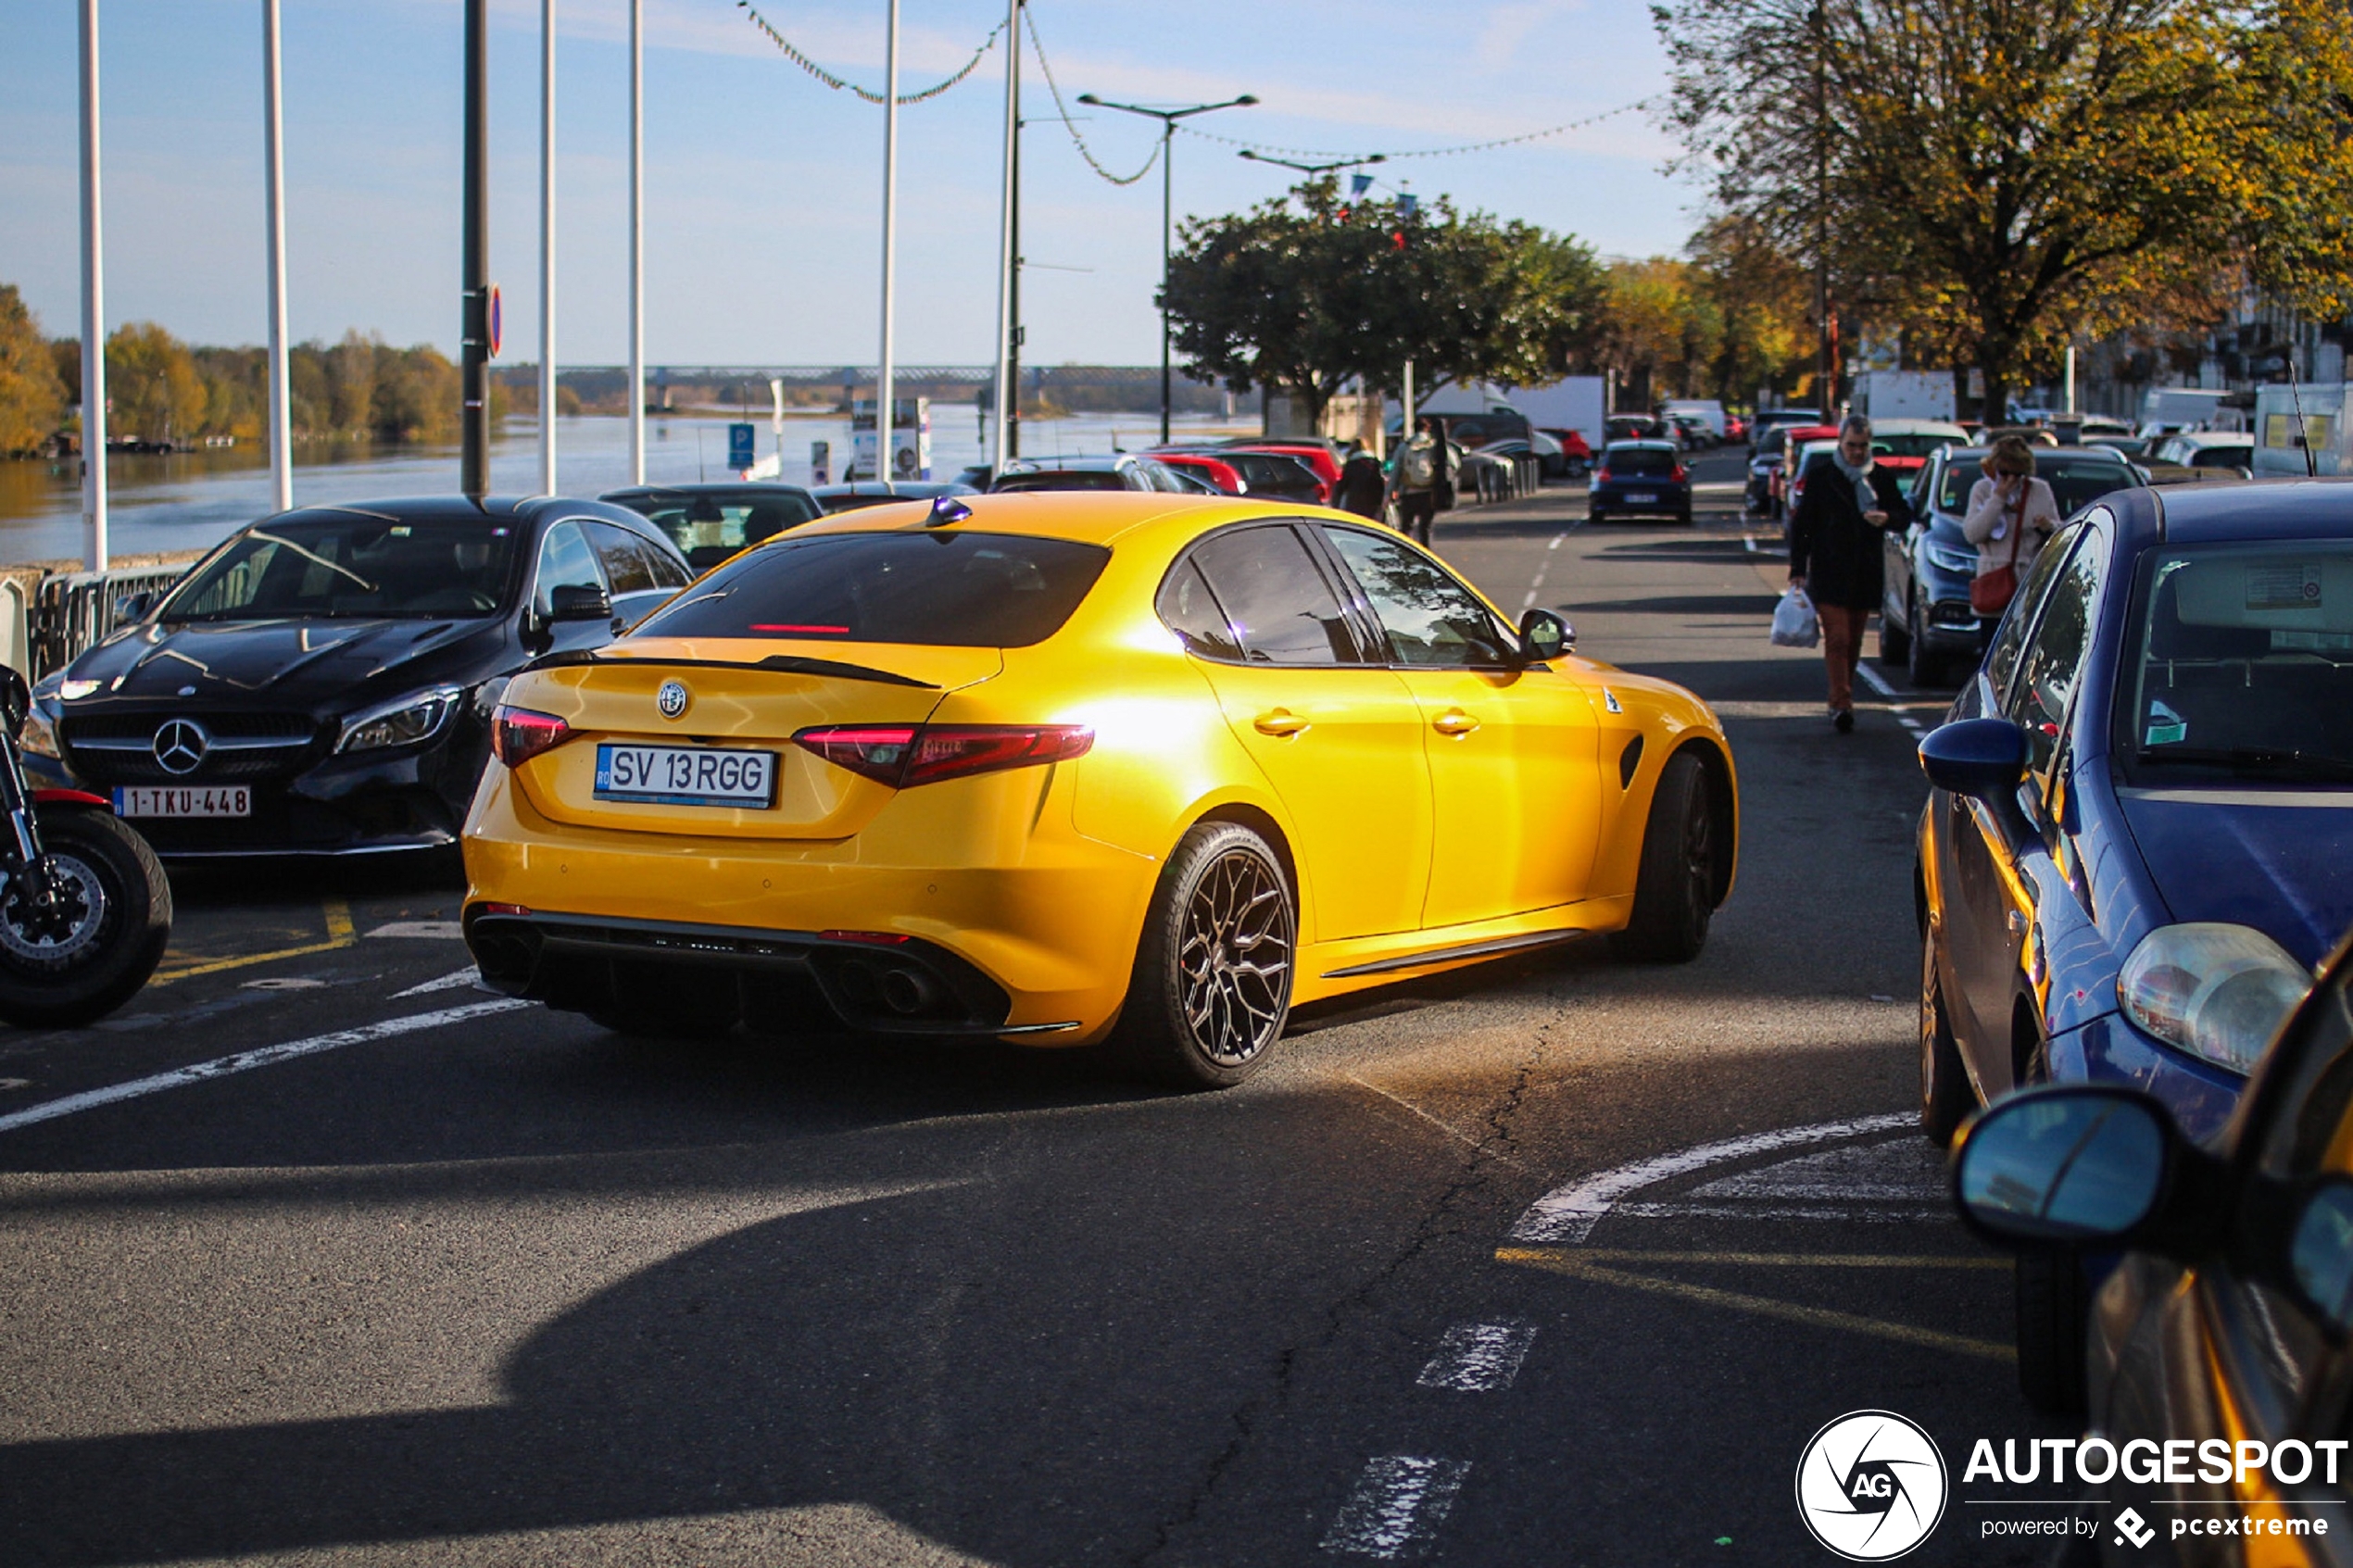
x=2011 y=514
x=1836 y=539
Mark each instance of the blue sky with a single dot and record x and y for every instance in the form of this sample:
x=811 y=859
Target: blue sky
x=762 y=185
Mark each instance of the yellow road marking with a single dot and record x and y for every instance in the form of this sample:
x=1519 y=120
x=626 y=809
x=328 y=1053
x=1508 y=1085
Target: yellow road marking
x=339 y=934
x=1562 y=1261
x=1782 y=1260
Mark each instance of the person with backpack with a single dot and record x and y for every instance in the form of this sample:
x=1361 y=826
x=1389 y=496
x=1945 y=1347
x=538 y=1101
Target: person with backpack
x=1421 y=476
x=1836 y=539
x=2011 y=514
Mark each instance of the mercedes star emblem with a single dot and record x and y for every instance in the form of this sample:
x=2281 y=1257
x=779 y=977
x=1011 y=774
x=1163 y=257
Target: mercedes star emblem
x=671 y=699
x=180 y=744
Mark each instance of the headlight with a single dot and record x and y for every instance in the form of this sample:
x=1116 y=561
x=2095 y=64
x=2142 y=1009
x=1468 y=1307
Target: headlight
x=402 y=722
x=1961 y=561
x=2216 y=991
x=38 y=738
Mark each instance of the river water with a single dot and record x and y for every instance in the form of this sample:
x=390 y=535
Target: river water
x=191 y=500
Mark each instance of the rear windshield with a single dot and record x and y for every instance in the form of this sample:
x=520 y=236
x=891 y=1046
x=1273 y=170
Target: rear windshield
x=2241 y=661
x=1912 y=445
x=2077 y=482
x=351 y=565
x=935 y=588
x=1064 y=479
x=1639 y=460
x=708 y=529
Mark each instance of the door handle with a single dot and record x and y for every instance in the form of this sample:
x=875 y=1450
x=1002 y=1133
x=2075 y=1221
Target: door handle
x=1454 y=721
x=1280 y=722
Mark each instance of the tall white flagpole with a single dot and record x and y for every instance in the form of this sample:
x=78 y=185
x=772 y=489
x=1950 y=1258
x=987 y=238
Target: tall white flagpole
x=1000 y=403
x=275 y=154
x=637 y=242
x=883 y=430
x=94 y=310
x=547 y=247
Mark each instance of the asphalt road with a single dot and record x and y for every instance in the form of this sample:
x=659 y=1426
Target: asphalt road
x=1557 y=1262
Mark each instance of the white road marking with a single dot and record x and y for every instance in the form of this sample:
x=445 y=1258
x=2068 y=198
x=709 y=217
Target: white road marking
x=449 y=982
x=1530 y=602
x=245 y=1061
x=1478 y=1358
x=1397 y=1505
x=284 y=982
x=441 y=929
x=1878 y=683
x=1749 y=540
x=1900 y=1170
x=1911 y=1216
x=1556 y=542
x=1569 y=1212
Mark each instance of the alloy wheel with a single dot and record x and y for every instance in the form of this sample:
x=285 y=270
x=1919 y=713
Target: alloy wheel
x=1234 y=958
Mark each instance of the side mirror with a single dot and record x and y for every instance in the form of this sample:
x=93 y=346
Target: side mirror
x=132 y=607
x=1544 y=635
x=576 y=601
x=1983 y=757
x=16 y=699
x=2077 y=1164
x=2319 y=1252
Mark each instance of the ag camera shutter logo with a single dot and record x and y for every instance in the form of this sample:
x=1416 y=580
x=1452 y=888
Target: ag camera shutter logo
x=1872 y=1486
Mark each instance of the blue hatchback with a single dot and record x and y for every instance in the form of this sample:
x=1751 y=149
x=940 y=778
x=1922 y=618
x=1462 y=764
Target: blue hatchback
x=2140 y=841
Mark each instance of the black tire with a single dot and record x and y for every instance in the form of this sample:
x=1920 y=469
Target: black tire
x=1675 y=891
x=1894 y=640
x=1922 y=666
x=1684 y=517
x=1212 y=984
x=2052 y=1318
x=123 y=907
x=1594 y=515
x=1946 y=1096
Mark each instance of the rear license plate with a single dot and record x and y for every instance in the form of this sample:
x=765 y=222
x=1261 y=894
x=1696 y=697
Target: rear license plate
x=1641 y=498
x=234 y=800
x=686 y=775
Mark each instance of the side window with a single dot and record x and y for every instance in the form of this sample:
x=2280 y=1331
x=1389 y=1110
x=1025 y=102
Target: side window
x=2010 y=635
x=1187 y=608
x=667 y=572
x=1430 y=618
x=2047 y=673
x=565 y=561
x=1276 y=600
x=628 y=559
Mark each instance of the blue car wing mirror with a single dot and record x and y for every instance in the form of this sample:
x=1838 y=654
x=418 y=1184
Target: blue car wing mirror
x=2080 y=1164
x=1981 y=757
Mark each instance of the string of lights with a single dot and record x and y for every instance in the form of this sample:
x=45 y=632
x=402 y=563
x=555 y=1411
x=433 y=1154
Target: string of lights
x=1423 y=152
x=839 y=84
x=1062 y=110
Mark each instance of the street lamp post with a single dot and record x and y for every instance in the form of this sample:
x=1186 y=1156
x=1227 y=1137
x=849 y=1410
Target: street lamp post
x=94 y=310
x=1311 y=170
x=1168 y=119
x=274 y=180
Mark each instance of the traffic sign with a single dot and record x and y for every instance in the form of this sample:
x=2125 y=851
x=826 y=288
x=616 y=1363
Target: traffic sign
x=739 y=447
x=497 y=319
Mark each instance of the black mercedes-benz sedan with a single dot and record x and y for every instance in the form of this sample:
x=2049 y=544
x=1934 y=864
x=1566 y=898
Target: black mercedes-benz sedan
x=322 y=682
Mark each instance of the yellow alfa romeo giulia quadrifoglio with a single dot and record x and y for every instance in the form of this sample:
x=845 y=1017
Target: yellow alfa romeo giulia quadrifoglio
x=1074 y=768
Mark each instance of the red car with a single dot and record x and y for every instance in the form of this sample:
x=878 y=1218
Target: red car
x=1222 y=474
x=1786 y=485
x=1315 y=455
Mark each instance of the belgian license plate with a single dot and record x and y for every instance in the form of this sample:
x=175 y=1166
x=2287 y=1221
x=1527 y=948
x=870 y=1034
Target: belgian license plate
x=1641 y=498
x=686 y=775
x=220 y=800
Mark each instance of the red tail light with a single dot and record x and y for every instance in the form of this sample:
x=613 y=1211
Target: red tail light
x=518 y=734
x=1601 y=476
x=1681 y=473
x=906 y=755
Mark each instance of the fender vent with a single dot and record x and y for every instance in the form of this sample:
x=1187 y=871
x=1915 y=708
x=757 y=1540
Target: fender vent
x=1628 y=761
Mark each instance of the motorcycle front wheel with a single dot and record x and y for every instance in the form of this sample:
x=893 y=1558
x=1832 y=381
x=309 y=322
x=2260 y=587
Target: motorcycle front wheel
x=78 y=962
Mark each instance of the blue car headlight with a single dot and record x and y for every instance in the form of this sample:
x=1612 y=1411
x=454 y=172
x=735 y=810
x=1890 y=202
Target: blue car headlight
x=2216 y=991
x=1961 y=563
x=402 y=722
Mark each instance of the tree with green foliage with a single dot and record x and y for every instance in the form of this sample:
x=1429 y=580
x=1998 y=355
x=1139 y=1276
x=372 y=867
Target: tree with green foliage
x=2006 y=178
x=153 y=390
x=1306 y=292
x=33 y=400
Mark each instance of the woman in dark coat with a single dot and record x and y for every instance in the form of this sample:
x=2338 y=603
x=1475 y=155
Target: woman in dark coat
x=1835 y=539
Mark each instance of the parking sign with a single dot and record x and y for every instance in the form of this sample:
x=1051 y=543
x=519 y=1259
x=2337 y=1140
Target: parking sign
x=739 y=452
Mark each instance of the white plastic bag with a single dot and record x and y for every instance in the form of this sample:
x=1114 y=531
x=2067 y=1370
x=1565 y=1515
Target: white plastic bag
x=1794 y=623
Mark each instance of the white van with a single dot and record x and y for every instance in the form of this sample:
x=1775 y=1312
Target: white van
x=1707 y=409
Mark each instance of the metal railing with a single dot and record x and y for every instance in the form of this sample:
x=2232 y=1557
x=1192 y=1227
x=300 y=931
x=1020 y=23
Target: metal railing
x=72 y=611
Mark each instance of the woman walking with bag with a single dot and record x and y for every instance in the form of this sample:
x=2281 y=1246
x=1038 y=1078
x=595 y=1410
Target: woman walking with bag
x=2011 y=514
x=1837 y=539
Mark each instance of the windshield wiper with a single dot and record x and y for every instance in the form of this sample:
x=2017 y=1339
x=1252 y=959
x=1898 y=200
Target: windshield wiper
x=2255 y=758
